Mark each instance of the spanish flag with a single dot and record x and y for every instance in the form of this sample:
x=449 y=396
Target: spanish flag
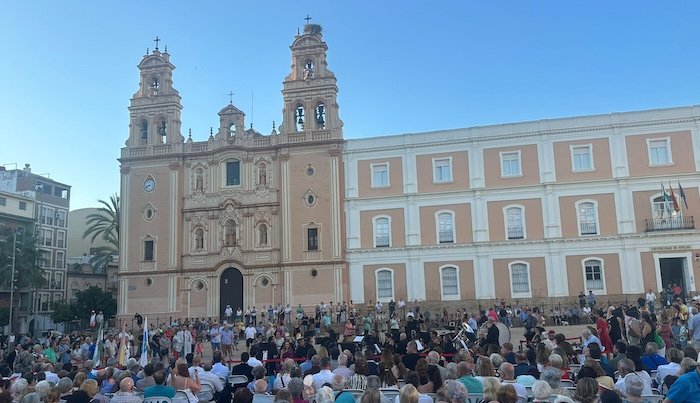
x=676 y=207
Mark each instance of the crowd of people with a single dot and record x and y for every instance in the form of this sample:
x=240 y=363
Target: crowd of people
x=402 y=353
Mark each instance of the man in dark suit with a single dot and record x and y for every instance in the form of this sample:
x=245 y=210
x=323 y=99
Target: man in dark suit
x=243 y=369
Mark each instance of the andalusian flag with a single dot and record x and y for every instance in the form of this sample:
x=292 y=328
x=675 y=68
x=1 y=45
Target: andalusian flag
x=121 y=355
x=676 y=207
x=144 y=345
x=681 y=193
x=97 y=356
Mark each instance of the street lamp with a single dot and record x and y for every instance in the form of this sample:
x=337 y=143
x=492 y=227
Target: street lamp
x=12 y=276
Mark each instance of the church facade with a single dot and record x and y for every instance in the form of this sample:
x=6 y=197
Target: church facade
x=243 y=218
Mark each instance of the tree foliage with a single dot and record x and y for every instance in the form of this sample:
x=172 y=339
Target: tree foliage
x=28 y=260
x=104 y=225
x=94 y=298
x=63 y=312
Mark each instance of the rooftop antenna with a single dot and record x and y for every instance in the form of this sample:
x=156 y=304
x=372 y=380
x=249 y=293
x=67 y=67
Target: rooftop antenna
x=252 y=108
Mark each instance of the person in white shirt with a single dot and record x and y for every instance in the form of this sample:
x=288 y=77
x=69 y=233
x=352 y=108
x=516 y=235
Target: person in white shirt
x=674 y=357
x=228 y=312
x=651 y=300
x=250 y=333
x=626 y=368
x=196 y=366
x=209 y=377
x=254 y=362
x=507 y=372
x=215 y=337
x=325 y=375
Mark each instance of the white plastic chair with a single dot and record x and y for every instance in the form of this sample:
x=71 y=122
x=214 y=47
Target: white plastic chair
x=237 y=379
x=206 y=393
x=181 y=397
x=389 y=393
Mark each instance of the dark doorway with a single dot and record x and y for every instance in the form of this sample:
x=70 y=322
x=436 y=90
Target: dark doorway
x=230 y=290
x=672 y=272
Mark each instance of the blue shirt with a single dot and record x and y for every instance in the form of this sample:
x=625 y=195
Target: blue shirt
x=694 y=326
x=686 y=388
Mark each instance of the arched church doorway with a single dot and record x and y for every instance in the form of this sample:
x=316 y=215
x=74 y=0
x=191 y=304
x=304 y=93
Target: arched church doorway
x=230 y=290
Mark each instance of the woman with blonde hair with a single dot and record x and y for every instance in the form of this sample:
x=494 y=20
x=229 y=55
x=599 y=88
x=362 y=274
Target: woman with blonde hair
x=92 y=389
x=408 y=394
x=491 y=387
x=484 y=368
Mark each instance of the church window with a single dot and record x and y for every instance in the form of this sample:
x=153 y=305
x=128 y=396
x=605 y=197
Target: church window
x=299 y=117
x=232 y=129
x=233 y=173
x=230 y=233
x=154 y=85
x=162 y=128
x=312 y=239
x=320 y=116
x=308 y=69
x=143 y=129
x=310 y=171
x=262 y=234
x=199 y=239
x=262 y=174
x=148 y=282
x=148 y=250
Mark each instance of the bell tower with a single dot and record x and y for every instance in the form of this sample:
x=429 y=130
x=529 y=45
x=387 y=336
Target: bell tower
x=155 y=108
x=310 y=90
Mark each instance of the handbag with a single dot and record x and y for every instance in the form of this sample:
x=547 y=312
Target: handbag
x=659 y=341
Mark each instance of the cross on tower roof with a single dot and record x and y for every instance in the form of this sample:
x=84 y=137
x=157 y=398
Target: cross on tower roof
x=307 y=19
x=156 y=41
x=230 y=95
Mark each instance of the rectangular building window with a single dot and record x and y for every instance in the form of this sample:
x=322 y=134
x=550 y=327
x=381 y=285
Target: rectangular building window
x=233 y=173
x=382 y=230
x=510 y=164
x=60 y=239
x=23 y=205
x=3 y=201
x=520 y=278
x=582 y=158
x=48 y=237
x=60 y=259
x=442 y=170
x=385 y=285
x=312 y=238
x=380 y=175
x=148 y=250
x=659 y=151
x=61 y=218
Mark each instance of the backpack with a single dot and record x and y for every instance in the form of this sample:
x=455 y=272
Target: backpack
x=634 y=328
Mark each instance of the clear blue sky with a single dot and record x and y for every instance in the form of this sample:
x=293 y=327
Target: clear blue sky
x=68 y=68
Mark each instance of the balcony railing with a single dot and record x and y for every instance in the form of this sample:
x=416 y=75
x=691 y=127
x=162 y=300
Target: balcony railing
x=669 y=223
x=516 y=232
x=588 y=228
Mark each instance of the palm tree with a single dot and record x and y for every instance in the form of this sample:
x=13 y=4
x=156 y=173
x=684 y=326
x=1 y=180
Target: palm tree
x=28 y=259
x=104 y=224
